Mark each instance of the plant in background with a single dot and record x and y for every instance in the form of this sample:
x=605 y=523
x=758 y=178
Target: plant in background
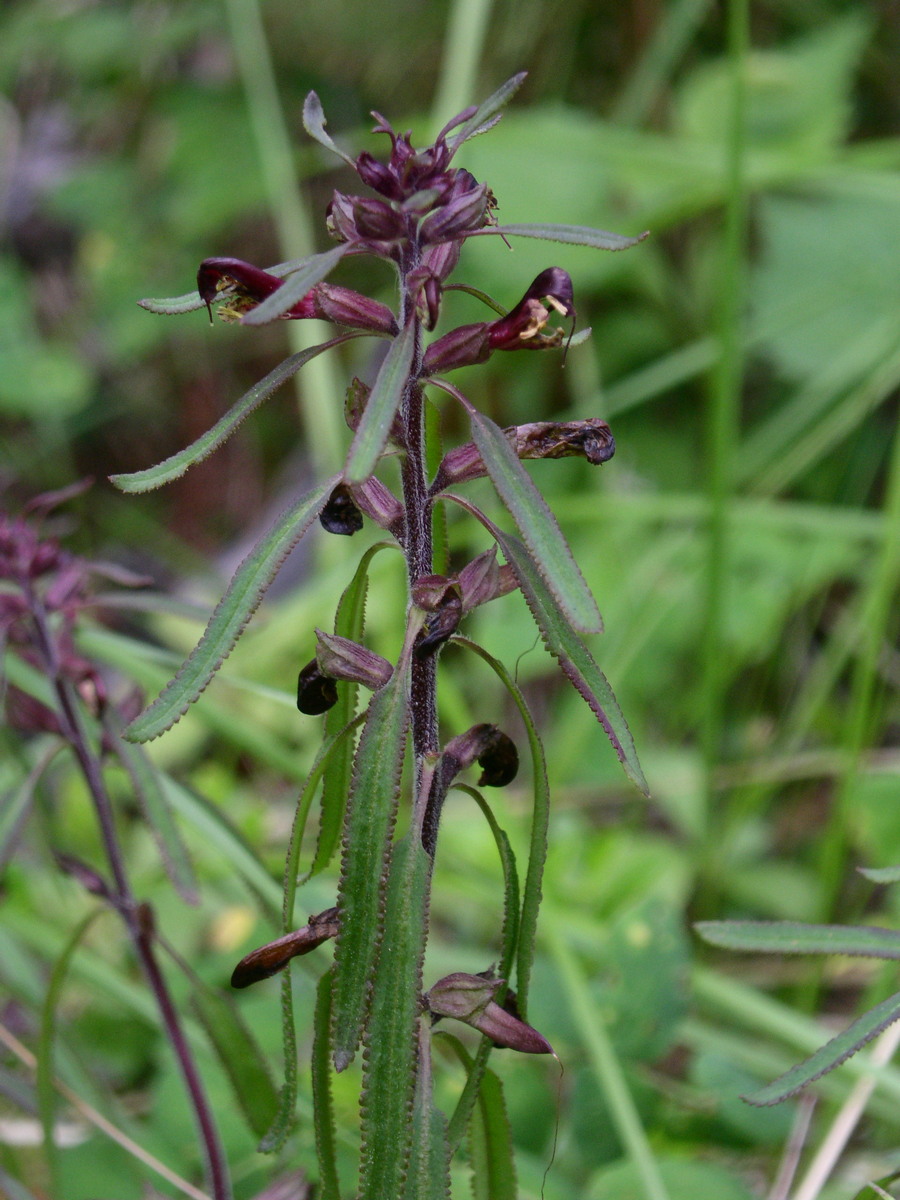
x=421 y=211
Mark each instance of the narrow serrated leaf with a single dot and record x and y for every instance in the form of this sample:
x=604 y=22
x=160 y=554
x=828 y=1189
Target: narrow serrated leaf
x=536 y=523
x=510 y=928
x=240 y=1056
x=157 y=813
x=173 y=306
x=792 y=937
x=577 y=235
x=831 y=1055
x=488 y=109
x=490 y=1144
x=329 y=1187
x=234 y=610
x=428 y=1177
x=374 y=427
x=563 y=643
x=314 y=123
x=349 y=622
x=295 y=286
x=540 y=824
x=389 y=1067
x=371 y=813
x=175 y=466
x=277 y=1133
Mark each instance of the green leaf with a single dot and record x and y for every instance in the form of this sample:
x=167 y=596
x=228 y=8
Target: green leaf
x=428 y=1177
x=831 y=1055
x=283 y=1120
x=45 y=1072
x=174 y=306
x=540 y=823
x=881 y=874
x=175 y=466
x=349 y=622
x=371 y=813
x=510 y=930
x=387 y=393
x=314 y=123
x=231 y=615
x=158 y=814
x=490 y=1145
x=487 y=112
x=566 y=647
x=791 y=937
x=240 y=1056
x=296 y=285
x=389 y=1069
x=577 y=235
x=537 y=524
x=329 y=1187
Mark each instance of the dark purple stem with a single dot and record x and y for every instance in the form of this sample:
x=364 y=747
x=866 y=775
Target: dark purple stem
x=138 y=925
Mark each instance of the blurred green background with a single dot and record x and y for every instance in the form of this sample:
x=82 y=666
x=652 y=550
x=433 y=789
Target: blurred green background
x=743 y=544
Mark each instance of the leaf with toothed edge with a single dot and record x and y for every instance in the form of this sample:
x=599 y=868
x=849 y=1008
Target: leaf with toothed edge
x=567 y=648
x=488 y=112
x=572 y=235
x=374 y=428
x=428 y=1177
x=793 y=937
x=295 y=286
x=234 y=610
x=389 y=1060
x=542 y=535
x=491 y=1144
x=314 y=123
x=175 y=466
x=369 y=825
x=329 y=1187
x=831 y=1055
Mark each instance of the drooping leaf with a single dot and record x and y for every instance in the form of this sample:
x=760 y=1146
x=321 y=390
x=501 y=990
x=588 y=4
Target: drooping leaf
x=314 y=123
x=240 y=1056
x=510 y=929
x=158 y=814
x=371 y=812
x=540 y=823
x=175 y=466
x=231 y=615
x=490 y=1144
x=792 y=937
x=323 y=1106
x=832 y=1054
x=576 y=235
x=390 y=1060
x=486 y=113
x=349 y=622
x=296 y=285
x=374 y=427
x=548 y=548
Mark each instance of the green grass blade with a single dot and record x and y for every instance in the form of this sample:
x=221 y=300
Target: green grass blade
x=329 y=1187
x=536 y=523
x=157 y=812
x=175 y=466
x=240 y=1056
x=231 y=615
x=296 y=285
x=831 y=1055
x=791 y=937
x=390 y=1058
x=490 y=1145
x=387 y=392
x=371 y=813
x=574 y=235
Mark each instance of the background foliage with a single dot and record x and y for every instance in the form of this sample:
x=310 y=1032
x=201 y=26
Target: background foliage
x=744 y=543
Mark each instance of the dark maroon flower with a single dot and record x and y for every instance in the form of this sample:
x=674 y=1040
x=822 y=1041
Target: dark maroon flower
x=316 y=692
x=340 y=514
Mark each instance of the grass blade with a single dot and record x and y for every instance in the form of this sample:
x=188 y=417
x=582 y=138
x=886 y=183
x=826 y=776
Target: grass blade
x=231 y=615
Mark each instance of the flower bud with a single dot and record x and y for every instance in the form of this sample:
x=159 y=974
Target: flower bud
x=341 y=658
x=461 y=215
x=268 y=960
x=470 y=998
x=340 y=514
x=484 y=579
x=316 y=693
x=343 y=306
x=381 y=505
x=375 y=219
